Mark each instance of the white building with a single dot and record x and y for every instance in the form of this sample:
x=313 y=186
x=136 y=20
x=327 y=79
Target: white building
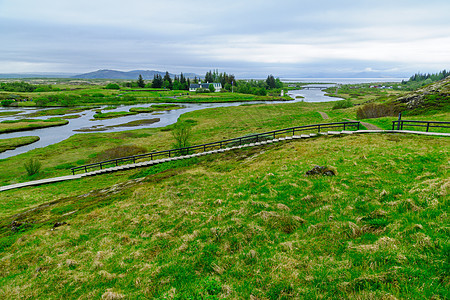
x=195 y=87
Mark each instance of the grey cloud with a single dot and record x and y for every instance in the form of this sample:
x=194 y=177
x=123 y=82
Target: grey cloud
x=240 y=37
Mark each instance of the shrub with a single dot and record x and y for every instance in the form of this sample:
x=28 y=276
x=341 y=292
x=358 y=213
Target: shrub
x=342 y=104
x=98 y=95
x=44 y=88
x=32 y=166
x=7 y=102
x=112 y=86
x=373 y=110
x=182 y=135
x=202 y=90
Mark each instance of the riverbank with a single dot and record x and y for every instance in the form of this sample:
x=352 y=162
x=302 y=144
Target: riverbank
x=29 y=124
x=13 y=143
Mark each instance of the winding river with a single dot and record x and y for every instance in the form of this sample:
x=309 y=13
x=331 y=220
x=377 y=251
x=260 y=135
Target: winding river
x=53 y=135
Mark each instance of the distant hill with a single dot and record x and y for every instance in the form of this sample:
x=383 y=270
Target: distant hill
x=113 y=74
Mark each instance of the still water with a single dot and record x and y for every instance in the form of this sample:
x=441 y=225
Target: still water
x=53 y=135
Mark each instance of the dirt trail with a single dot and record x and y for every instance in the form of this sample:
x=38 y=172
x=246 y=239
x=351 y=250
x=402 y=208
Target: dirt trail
x=324 y=115
x=367 y=125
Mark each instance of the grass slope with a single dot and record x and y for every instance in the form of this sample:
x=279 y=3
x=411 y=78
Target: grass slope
x=243 y=224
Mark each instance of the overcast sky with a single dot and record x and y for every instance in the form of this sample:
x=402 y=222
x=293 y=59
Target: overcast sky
x=286 y=38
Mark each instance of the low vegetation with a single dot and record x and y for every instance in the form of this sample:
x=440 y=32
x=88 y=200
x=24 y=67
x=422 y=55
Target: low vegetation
x=342 y=104
x=29 y=124
x=120 y=151
x=155 y=107
x=32 y=166
x=113 y=114
x=13 y=143
x=375 y=110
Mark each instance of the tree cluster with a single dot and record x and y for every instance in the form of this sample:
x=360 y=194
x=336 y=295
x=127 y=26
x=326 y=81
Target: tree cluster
x=20 y=87
x=259 y=87
x=272 y=83
x=178 y=82
x=227 y=80
x=418 y=80
x=434 y=77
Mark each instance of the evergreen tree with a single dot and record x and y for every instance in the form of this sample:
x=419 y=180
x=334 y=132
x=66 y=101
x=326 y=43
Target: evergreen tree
x=270 y=81
x=167 y=77
x=188 y=84
x=209 y=78
x=157 y=81
x=140 y=81
x=167 y=81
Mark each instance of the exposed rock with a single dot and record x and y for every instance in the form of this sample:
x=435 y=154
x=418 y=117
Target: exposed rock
x=15 y=225
x=58 y=224
x=321 y=170
x=418 y=97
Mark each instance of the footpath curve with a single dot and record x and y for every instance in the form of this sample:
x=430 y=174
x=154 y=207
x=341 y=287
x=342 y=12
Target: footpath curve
x=367 y=125
x=324 y=115
x=154 y=162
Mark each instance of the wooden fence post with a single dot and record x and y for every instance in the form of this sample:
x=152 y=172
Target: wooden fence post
x=399 y=120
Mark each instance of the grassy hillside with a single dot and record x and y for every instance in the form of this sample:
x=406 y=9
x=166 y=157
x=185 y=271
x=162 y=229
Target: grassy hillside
x=431 y=102
x=242 y=224
x=431 y=99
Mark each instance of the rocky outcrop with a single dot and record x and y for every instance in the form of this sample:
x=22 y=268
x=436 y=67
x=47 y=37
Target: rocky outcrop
x=321 y=170
x=419 y=97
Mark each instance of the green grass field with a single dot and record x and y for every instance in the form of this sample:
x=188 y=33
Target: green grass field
x=242 y=224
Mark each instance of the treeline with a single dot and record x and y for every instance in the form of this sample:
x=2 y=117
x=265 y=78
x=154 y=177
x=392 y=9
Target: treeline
x=24 y=87
x=182 y=82
x=420 y=79
x=228 y=81
x=178 y=83
x=259 y=87
x=433 y=77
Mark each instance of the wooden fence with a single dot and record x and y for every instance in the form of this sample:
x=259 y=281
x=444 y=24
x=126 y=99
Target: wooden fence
x=254 y=138
x=399 y=124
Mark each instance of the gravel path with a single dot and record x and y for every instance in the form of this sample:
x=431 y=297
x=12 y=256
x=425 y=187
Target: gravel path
x=324 y=115
x=367 y=125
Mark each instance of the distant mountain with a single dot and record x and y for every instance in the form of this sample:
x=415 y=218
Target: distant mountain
x=113 y=74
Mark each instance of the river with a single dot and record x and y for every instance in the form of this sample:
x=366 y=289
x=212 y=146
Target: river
x=53 y=135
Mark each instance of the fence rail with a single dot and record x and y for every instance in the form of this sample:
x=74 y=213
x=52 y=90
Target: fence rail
x=399 y=124
x=258 y=137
